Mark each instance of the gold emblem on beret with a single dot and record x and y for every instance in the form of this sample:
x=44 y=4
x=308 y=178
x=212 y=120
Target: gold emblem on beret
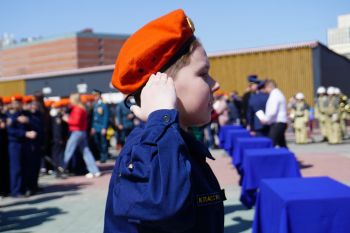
x=190 y=23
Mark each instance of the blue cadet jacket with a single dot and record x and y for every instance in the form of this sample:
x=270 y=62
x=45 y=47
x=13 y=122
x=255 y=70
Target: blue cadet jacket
x=16 y=130
x=100 y=116
x=162 y=183
x=122 y=113
x=36 y=120
x=257 y=101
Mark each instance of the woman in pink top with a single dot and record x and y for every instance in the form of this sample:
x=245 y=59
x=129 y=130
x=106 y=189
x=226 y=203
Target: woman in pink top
x=77 y=123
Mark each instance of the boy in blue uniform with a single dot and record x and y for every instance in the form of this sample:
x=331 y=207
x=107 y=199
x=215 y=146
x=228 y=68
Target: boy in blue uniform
x=19 y=133
x=161 y=181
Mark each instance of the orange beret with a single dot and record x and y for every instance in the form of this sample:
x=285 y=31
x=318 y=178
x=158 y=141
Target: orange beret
x=61 y=103
x=56 y=104
x=6 y=100
x=151 y=49
x=16 y=97
x=28 y=99
x=48 y=103
x=64 y=102
x=87 y=98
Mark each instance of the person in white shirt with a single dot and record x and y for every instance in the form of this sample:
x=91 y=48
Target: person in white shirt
x=275 y=114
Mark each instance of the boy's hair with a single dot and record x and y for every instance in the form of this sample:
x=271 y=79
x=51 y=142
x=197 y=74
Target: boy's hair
x=173 y=69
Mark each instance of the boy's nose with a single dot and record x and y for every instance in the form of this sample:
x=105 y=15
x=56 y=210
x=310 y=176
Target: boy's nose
x=215 y=87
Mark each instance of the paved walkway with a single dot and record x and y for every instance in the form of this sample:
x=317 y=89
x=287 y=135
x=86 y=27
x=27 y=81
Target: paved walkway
x=76 y=205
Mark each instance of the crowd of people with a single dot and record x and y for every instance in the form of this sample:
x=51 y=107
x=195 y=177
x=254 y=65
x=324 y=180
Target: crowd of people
x=264 y=111
x=61 y=138
x=331 y=112
x=68 y=135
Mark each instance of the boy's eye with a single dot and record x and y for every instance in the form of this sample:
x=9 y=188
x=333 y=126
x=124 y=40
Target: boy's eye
x=204 y=74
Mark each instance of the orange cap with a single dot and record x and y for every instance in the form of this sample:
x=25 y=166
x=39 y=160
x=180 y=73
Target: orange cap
x=48 y=103
x=6 y=100
x=60 y=103
x=151 y=49
x=87 y=98
x=28 y=99
x=64 y=102
x=16 y=97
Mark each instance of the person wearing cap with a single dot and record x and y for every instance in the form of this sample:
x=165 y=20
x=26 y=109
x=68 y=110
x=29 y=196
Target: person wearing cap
x=300 y=116
x=252 y=88
x=257 y=102
x=99 y=125
x=19 y=133
x=333 y=121
x=320 y=111
x=161 y=181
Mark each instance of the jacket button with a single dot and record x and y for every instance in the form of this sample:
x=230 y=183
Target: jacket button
x=166 y=118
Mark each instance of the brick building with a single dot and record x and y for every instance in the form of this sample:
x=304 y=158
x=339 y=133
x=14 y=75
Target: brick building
x=72 y=51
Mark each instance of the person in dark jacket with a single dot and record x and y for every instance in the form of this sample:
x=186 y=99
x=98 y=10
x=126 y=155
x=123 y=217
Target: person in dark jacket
x=33 y=152
x=124 y=122
x=99 y=125
x=19 y=132
x=161 y=181
x=257 y=101
x=59 y=130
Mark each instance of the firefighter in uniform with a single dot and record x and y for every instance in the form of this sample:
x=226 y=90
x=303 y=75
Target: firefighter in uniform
x=320 y=111
x=343 y=101
x=300 y=114
x=333 y=111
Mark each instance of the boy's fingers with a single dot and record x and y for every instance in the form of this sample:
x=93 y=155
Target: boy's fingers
x=163 y=77
x=150 y=80
x=137 y=111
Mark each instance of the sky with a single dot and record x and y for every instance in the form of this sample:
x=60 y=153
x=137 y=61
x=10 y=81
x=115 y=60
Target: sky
x=221 y=25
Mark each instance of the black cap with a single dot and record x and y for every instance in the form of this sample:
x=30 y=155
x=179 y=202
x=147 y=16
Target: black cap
x=252 y=78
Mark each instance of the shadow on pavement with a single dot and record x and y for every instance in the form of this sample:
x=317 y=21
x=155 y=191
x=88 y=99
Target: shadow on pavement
x=106 y=168
x=64 y=187
x=234 y=208
x=25 y=218
x=36 y=200
x=304 y=166
x=241 y=224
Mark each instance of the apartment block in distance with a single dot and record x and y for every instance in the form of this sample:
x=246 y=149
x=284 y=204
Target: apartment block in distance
x=339 y=37
x=72 y=51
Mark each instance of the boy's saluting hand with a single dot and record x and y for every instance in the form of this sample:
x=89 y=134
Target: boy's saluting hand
x=158 y=93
